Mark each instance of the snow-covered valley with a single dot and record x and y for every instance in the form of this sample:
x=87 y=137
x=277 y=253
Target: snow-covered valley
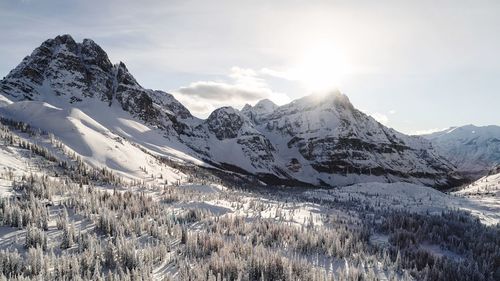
x=189 y=226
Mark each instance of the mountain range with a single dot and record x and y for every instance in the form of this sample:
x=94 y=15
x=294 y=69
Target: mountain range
x=474 y=150
x=100 y=112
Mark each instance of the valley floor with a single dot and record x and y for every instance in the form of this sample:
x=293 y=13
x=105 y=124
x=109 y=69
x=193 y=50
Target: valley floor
x=62 y=219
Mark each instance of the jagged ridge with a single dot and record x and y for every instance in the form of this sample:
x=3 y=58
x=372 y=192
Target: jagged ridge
x=77 y=71
x=316 y=139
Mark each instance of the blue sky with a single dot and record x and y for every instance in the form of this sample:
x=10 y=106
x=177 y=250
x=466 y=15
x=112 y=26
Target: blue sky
x=414 y=65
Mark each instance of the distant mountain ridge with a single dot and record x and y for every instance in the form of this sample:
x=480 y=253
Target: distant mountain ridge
x=473 y=149
x=318 y=140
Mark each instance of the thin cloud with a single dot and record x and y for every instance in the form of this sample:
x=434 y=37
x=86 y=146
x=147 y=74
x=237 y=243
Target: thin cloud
x=221 y=91
x=278 y=74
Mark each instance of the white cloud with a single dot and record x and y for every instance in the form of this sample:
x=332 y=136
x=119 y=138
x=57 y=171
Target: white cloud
x=427 y=131
x=222 y=91
x=243 y=85
x=381 y=118
x=392 y=111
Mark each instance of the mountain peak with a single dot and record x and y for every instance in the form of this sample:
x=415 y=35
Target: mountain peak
x=122 y=65
x=87 y=42
x=225 y=122
x=57 y=44
x=260 y=110
x=61 y=67
x=266 y=103
x=63 y=39
x=246 y=107
x=224 y=111
x=327 y=100
x=64 y=72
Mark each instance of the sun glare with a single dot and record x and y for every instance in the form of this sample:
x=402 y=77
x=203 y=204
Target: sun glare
x=321 y=69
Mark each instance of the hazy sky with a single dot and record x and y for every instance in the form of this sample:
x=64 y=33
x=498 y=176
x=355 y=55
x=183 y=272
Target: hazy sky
x=414 y=65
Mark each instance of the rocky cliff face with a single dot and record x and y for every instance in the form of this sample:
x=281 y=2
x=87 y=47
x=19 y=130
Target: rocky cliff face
x=228 y=137
x=65 y=68
x=316 y=139
x=227 y=123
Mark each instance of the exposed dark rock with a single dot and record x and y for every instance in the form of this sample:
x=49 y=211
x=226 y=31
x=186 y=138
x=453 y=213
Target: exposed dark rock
x=225 y=123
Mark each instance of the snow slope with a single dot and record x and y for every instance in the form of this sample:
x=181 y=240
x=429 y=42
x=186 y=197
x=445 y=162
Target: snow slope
x=482 y=197
x=12 y=165
x=487 y=185
x=95 y=143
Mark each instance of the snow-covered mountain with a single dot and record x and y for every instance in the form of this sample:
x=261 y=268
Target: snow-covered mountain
x=97 y=109
x=471 y=148
x=327 y=138
x=63 y=72
x=73 y=91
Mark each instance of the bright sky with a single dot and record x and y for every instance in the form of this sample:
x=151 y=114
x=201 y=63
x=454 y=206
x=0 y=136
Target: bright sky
x=414 y=65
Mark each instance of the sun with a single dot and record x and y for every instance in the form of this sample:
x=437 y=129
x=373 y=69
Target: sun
x=321 y=69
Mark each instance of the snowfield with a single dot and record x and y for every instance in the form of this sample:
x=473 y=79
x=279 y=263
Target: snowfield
x=101 y=143
x=481 y=198
x=415 y=198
